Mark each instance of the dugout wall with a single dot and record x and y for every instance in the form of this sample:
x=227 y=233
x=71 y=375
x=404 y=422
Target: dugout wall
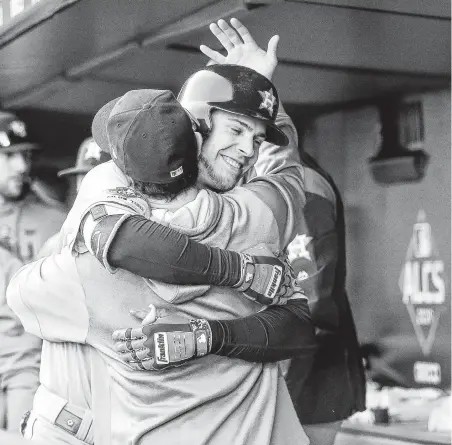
x=398 y=242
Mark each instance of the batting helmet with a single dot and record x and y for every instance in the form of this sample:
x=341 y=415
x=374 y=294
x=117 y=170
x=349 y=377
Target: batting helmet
x=235 y=89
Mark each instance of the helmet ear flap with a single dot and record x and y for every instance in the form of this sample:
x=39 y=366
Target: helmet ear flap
x=200 y=126
x=203 y=128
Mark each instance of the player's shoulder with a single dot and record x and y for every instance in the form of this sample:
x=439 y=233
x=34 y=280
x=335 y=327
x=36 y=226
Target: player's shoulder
x=316 y=180
x=317 y=184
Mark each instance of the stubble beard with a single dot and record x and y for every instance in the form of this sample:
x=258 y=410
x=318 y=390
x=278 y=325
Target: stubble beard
x=217 y=183
x=6 y=195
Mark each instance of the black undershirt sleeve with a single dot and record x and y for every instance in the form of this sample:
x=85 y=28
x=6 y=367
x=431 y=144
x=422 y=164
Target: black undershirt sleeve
x=152 y=250
x=277 y=333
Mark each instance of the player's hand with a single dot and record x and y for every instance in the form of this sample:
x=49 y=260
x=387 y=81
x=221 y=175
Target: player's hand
x=290 y=287
x=268 y=280
x=242 y=49
x=169 y=341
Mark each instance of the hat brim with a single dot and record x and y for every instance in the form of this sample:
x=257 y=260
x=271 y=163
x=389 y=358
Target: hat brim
x=26 y=146
x=99 y=125
x=73 y=171
x=274 y=134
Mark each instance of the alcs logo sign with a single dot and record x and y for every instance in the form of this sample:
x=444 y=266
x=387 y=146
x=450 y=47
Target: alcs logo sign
x=424 y=292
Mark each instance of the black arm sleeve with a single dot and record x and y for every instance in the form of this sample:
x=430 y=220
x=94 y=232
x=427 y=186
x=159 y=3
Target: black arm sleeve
x=152 y=250
x=277 y=333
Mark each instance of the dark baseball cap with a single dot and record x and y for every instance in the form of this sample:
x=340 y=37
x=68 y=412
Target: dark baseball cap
x=13 y=134
x=149 y=135
x=89 y=155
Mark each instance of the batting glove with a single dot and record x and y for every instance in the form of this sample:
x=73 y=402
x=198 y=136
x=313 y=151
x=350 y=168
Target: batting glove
x=267 y=280
x=170 y=341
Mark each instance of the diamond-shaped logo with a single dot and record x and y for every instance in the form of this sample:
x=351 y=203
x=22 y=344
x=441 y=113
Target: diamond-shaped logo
x=422 y=283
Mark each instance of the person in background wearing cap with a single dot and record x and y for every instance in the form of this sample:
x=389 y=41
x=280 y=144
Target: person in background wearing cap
x=276 y=421
x=26 y=222
x=89 y=155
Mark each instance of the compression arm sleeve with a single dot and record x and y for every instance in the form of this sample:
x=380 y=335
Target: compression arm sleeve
x=151 y=250
x=277 y=333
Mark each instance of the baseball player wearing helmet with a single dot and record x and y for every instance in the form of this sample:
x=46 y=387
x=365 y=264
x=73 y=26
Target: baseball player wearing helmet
x=280 y=235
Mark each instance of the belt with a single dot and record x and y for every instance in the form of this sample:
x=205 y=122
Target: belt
x=74 y=419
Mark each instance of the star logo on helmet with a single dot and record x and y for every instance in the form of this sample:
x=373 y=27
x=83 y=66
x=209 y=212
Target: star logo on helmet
x=268 y=101
x=92 y=152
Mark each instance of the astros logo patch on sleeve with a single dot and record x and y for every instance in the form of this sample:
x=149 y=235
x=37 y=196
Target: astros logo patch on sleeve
x=298 y=248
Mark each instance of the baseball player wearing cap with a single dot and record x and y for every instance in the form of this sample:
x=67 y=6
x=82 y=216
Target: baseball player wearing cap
x=26 y=222
x=89 y=155
x=220 y=429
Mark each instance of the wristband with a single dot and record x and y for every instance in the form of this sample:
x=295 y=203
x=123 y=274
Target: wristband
x=246 y=273
x=203 y=336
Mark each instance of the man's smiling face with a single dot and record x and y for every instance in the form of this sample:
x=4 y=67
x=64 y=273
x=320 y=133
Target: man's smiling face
x=230 y=150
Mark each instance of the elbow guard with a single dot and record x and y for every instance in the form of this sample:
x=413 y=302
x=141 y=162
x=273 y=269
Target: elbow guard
x=102 y=236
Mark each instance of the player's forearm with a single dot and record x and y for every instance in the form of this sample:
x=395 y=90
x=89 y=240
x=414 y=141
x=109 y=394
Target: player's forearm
x=278 y=333
x=154 y=251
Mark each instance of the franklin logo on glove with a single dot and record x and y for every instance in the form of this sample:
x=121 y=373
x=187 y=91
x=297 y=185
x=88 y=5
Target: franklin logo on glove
x=161 y=348
x=274 y=282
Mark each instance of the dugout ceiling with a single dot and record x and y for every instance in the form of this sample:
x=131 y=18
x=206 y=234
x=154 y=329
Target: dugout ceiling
x=72 y=56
